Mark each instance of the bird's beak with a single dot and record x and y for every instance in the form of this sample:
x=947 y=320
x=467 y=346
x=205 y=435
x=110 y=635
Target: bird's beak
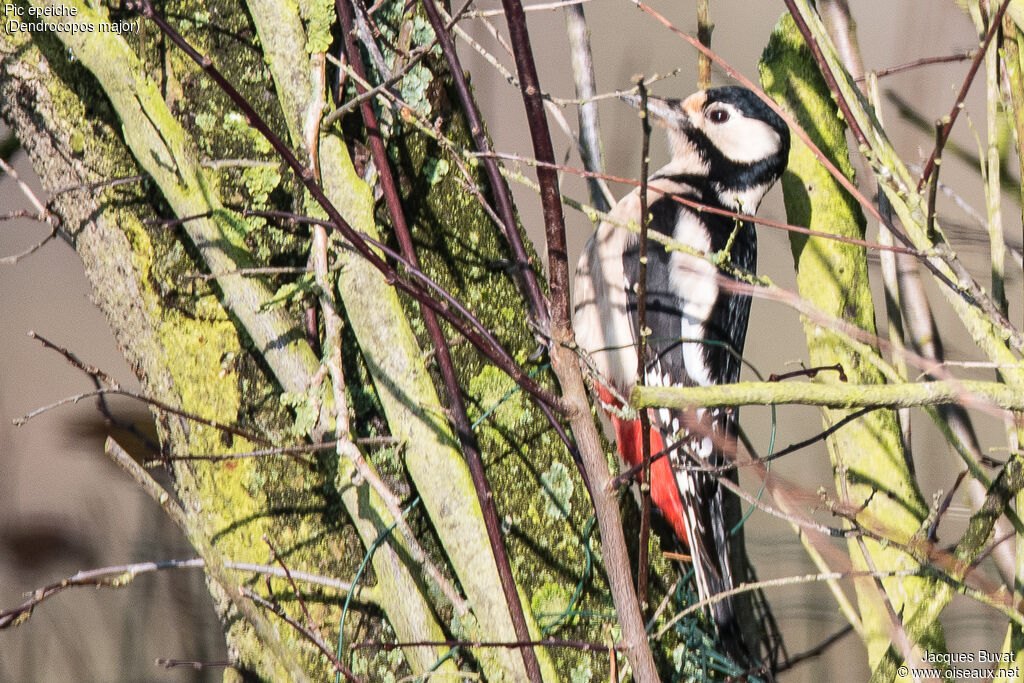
x=666 y=112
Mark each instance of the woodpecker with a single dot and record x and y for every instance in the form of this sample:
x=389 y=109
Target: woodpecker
x=727 y=149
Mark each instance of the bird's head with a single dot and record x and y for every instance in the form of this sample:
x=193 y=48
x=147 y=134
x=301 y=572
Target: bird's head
x=728 y=137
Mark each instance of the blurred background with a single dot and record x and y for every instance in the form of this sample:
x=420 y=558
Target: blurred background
x=64 y=507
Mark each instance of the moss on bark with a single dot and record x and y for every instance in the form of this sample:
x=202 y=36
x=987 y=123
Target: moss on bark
x=867 y=455
x=190 y=346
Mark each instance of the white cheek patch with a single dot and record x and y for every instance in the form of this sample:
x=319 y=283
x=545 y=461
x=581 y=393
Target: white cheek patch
x=743 y=140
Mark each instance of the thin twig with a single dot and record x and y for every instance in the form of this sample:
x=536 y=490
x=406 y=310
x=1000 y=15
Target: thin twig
x=100 y=379
x=28 y=251
x=817 y=650
x=279 y=450
x=627 y=476
x=41 y=211
x=502 y=195
x=303 y=630
x=192 y=664
x=925 y=61
x=313 y=627
x=564 y=363
x=580 y=645
x=215 y=564
x=101 y=184
x=944 y=506
x=412 y=60
x=954 y=112
x=642 y=569
x=777 y=583
x=933 y=184
x=447 y=300
x=159 y=405
x=700 y=206
x=42 y=214
x=539 y=7
x=120 y=576
x=898 y=631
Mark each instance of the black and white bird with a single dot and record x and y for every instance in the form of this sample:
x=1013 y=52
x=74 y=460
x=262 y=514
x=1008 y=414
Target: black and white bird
x=728 y=148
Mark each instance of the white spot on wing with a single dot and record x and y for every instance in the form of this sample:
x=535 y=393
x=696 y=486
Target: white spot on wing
x=693 y=279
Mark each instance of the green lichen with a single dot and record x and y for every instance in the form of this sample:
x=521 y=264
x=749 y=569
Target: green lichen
x=214 y=371
x=460 y=248
x=435 y=170
x=551 y=601
x=557 y=486
x=583 y=672
x=236 y=127
x=319 y=18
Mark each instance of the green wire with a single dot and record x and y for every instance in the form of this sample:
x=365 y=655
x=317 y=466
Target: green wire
x=381 y=537
x=508 y=394
x=771 y=449
x=588 y=568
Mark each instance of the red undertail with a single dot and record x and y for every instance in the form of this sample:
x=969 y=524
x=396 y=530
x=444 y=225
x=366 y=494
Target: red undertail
x=664 y=492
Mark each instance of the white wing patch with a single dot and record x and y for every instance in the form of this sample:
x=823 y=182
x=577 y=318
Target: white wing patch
x=600 y=300
x=694 y=279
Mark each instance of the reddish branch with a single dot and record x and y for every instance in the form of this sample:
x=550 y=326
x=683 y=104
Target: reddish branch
x=564 y=361
x=723 y=212
x=959 y=101
x=457 y=408
x=810 y=373
x=502 y=195
x=641 y=353
x=581 y=645
x=924 y=61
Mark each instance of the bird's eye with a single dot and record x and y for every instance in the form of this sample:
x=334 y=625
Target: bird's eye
x=718 y=116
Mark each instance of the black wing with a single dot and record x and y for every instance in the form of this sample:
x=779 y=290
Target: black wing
x=686 y=350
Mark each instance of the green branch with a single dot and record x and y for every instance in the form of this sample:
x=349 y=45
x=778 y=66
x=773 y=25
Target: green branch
x=908 y=395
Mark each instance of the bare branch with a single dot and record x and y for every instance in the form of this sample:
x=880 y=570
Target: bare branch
x=564 y=362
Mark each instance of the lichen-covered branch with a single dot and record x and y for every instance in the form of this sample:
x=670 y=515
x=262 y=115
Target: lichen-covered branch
x=867 y=456
x=833 y=395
